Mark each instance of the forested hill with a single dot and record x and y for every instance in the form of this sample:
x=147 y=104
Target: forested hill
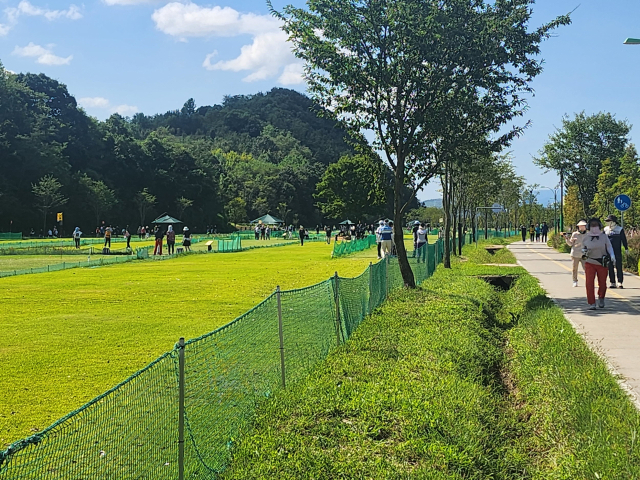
x=208 y=164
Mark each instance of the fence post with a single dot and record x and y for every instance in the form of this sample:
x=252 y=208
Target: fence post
x=370 y=284
x=281 y=335
x=337 y=293
x=181 y=408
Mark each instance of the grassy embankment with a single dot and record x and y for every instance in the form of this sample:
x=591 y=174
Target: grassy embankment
x=70 y=335
x=454 y=380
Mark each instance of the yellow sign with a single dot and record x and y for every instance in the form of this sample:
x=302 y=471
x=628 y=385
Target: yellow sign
x=59 y=216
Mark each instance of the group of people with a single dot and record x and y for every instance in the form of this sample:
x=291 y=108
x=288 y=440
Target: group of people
x=537 y=233
x=262 y=232
x=599 y=251
x=159 y=235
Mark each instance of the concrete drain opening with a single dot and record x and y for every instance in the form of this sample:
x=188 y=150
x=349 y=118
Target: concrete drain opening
x=501 y=282
x=493 y=249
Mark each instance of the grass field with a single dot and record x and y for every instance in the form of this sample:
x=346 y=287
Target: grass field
x=455 y=380
x=70 y=335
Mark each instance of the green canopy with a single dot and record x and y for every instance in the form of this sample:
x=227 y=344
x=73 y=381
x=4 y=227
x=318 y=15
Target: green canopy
x=347 y=222
x=267 y=220
x=166 y=219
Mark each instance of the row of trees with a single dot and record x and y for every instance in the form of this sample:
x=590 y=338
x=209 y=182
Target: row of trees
x=594 y=159
x=435 y=82
x=211 y=165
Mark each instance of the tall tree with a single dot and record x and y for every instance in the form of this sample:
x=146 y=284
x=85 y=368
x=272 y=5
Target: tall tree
x=144 y=200
x=100 y=197
x=606 y=191
x=354 y=187
x=400 y=69
x=182 y=204
x=577 y=150
x=48 y=196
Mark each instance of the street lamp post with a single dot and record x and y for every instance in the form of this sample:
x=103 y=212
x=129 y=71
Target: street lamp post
x=555 y=206
x=632 y=41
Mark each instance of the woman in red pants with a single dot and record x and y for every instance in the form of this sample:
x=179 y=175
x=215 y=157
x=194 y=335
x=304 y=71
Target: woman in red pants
x=597 y=252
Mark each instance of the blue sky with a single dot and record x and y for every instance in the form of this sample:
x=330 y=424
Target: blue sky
x=151 y=56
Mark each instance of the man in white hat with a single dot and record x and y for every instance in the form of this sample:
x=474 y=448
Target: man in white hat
x=575 y=242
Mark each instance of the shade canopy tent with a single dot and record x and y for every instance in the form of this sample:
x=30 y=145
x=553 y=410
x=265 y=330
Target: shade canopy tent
x=267 y=220
x=347 y=222
x=165 y=219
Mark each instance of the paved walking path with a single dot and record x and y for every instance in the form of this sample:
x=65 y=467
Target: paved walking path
x=614 y=330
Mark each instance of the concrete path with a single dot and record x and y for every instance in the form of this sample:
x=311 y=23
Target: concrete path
x=614 y=330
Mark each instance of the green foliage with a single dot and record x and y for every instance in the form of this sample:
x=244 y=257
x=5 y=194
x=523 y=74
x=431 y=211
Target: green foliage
x=144 y=201
x=355 y=187
x=580 y=148
x=454 y=380
x=174 y=155
x=558 y=242
x=48 y=195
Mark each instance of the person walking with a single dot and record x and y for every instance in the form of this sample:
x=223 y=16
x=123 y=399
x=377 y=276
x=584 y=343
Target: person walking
x=327 y=231
x=537 y=229
x=171 y=240
x=107 y=237
x=127 y=236
x=301 y=234
x=421 y=243
x=139 y=232
x=386 y=239
x=544 y=231
x=159 y=235
x=414 y=232
x=186 y=239
x=575 y=241
x=523 y=230
x=597 y=253
x=618 y=240
x=379 y=238
x=532 y=233
x=76 y=236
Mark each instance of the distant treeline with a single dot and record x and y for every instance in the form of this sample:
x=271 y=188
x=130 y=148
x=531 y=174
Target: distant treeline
x=210 y=165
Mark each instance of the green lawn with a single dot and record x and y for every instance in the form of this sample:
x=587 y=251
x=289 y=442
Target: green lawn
x=70 y=335
x=454 y=380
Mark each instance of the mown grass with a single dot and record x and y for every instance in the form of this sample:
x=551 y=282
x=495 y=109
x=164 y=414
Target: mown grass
x=70 y=335
x=454 y=380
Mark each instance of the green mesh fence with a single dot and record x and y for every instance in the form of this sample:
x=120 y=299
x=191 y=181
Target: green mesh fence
x=10 y=236
x=233 y=244
x=67 y=265
x=347 y=247
x=132 y=431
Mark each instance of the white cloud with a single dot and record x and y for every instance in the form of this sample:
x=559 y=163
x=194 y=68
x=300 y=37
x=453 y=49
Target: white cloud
x=191 y=20
x=268 y=56
x=103 y=103
x=94 y=102
x=28 y=9
x=43 y=55
x=125 y=110
x=293 y=74
x=126 y=2
x=4 y=29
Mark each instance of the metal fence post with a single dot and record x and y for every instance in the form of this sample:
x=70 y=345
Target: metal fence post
x=337 y=294
x=281 y=335
x=181 y=408
x=370 y=285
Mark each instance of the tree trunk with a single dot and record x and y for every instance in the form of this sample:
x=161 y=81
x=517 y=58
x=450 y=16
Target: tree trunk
x=44 y=229
x=447 y=216
x=398 y=234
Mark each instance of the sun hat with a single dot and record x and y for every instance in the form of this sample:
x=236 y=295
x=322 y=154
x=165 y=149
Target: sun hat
x=582 y=223
x=185 y=228
x=611 y=218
